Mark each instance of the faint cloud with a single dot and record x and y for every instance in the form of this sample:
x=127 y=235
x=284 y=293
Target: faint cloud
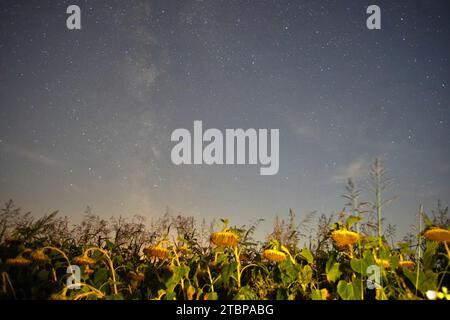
x=33 y=156
x=354 y=169
x=299 y=128
x=303 y=130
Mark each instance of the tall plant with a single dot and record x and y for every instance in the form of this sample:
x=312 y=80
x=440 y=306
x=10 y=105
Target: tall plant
x=379 y=184
x=353 y=194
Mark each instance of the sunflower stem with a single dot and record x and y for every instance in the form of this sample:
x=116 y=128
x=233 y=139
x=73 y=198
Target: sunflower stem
x=419 y=253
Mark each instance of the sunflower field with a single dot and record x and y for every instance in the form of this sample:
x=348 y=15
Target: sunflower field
x=348 y=256
x=230 y=267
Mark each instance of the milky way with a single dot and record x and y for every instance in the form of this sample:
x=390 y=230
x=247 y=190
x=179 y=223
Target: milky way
x=86 y=115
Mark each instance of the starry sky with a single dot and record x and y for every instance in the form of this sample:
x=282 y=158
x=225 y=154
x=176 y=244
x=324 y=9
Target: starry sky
x=86 y=115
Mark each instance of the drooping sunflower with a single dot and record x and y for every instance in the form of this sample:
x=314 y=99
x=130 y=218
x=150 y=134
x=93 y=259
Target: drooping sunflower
x=274 y=255
x=83 y=260
x=18 y=261
x=225 y=238
x=157 y=251
x=406 y=264
x=39 y=256
x=136 y=276
x=437 y=234
x=384 y=262
x=345 y=237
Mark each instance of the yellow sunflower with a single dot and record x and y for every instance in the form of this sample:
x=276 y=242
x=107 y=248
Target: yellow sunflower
x=437 y=234
x=18 y=261
x=225 y=238
x=83 y=260
x=407 y=264
x=344 y=237
x=274 y=255
x=39 y=256
x=385 y=263
x=157 y=252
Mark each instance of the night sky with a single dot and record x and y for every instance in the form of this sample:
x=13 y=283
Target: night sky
x=86 y=115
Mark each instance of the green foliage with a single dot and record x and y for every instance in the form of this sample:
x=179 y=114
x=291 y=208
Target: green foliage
x=307 y=255
x=349 y=290
x=137 y=263
x=332 y=270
